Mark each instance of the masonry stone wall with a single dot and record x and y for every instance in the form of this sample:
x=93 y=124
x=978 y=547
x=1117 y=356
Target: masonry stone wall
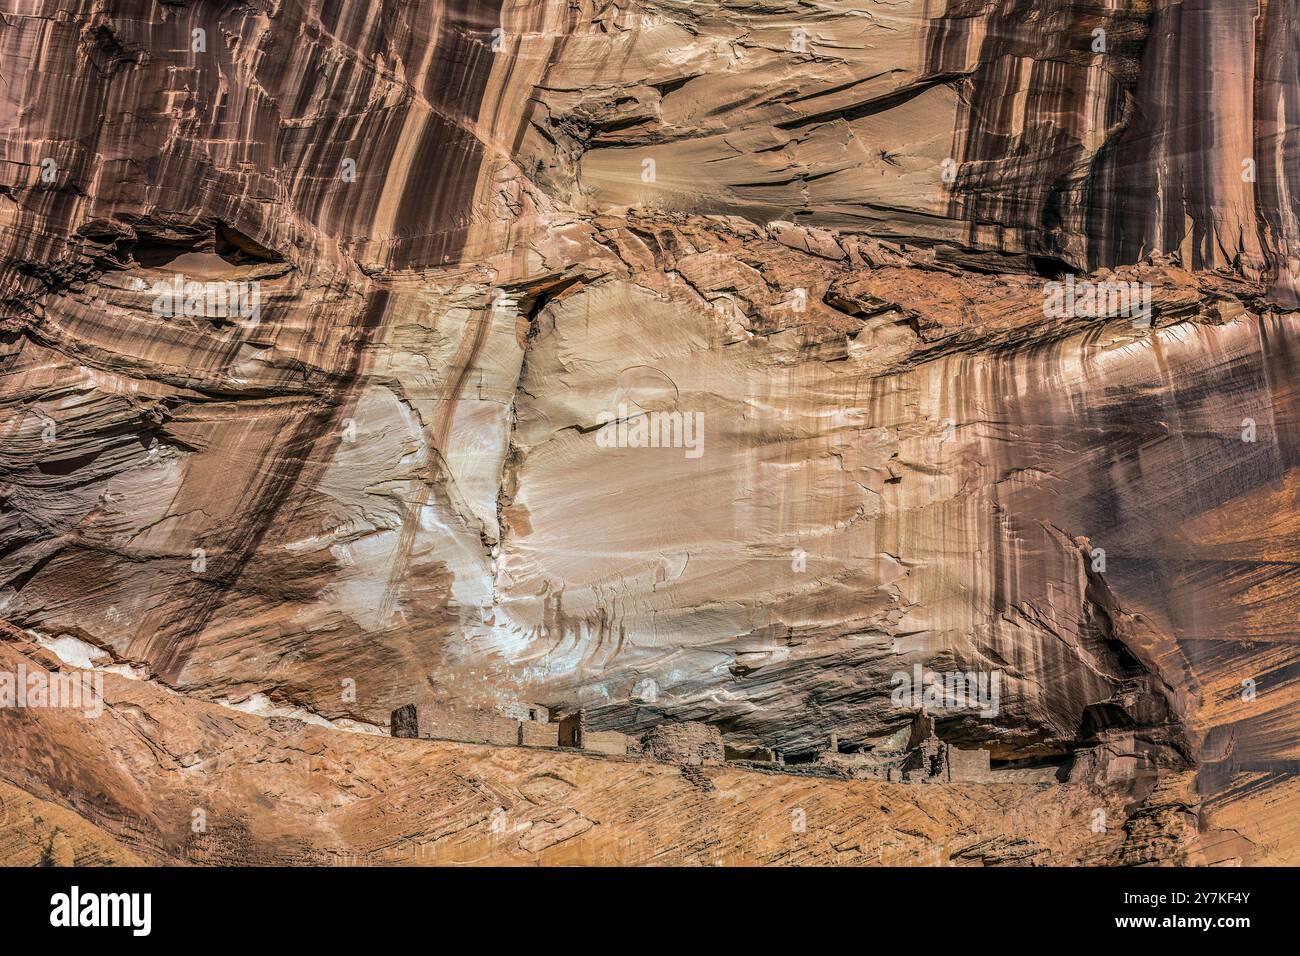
x=533 y=734
x=432 y=722
x=574 y=732
x=968 y=766
x=689 y=743
x=405 y=722
x=474 y=726
x=609 y=742
x=571 y=728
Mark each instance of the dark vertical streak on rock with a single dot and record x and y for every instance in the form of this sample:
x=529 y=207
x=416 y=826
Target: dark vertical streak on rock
x=1277 y=143
x=1030 y=103
x=440 y=191
x=1175 y=179
x=302 y=455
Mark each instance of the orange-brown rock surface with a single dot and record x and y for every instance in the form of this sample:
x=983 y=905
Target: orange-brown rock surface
x=187 y=782
x=324 y=327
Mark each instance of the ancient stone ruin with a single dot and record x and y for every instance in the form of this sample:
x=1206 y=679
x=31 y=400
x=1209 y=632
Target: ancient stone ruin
x=688 y=743
x=915 y=755
x=431 y=722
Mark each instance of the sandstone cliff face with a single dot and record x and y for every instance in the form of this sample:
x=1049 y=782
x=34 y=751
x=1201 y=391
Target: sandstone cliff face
x=184 y=782
x=480 y=236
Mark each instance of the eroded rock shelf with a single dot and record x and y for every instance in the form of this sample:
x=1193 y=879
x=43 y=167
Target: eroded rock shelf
x=651 y=367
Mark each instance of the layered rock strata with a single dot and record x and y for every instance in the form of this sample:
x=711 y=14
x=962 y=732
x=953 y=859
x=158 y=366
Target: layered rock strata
x=451 y=256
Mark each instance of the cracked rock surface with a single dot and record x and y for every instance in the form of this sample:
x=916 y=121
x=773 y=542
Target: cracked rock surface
x=483 y=237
